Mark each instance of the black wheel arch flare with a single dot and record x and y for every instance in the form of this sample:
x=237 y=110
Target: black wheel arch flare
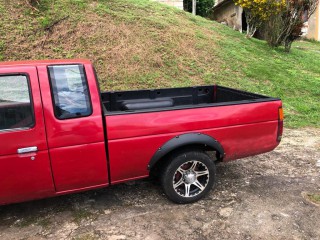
x=185 y=140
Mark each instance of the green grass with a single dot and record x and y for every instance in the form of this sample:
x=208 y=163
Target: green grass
x=294 y=77
x=2 y=47
x=314 y=198
x=87 y=236
x=143 y=44
x=80 y=214
x=38 y=219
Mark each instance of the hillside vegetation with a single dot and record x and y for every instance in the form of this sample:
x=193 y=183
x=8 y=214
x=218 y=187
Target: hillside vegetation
x=143 y=44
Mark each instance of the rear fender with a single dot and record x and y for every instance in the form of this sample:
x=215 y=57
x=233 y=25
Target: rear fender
x=185 y=140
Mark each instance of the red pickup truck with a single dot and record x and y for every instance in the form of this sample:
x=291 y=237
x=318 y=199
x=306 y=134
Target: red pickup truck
x=59 y=134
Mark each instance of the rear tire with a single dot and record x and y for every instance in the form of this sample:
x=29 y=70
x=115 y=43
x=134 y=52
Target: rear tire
x=188 y=176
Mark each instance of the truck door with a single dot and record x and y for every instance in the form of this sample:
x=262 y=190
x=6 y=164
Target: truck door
x=75 y=129
x=25 y=171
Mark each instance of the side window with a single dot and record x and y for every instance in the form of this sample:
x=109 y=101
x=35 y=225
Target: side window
x=15 y=103
x=70 y=91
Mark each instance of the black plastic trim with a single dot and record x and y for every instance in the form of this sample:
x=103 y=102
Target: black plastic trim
x=192 y=107
x=185 y=140
x=105 y=129
x=183 y=98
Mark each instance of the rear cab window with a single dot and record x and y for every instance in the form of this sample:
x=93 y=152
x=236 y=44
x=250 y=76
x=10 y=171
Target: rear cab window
x=70 y=92
x=16 y=110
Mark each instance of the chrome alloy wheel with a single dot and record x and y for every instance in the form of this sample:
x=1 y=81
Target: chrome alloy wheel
x=191 y=178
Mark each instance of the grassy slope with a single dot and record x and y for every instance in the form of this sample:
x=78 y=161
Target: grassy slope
x=142 y=44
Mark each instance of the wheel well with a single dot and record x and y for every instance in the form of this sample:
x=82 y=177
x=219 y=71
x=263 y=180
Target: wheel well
x=162 y=162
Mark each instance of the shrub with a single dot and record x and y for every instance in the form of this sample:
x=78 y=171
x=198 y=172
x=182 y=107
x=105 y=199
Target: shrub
x=286 y=27
x=259 y=11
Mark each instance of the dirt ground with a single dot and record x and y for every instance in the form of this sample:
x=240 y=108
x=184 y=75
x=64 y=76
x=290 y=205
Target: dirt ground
x=255 y=198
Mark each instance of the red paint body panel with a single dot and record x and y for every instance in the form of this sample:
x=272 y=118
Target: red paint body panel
x=76 y=146
x=79 y=166
x=22 y=178
x=19 y=64
x=72 y=154
x=12 y=140
x=146 y=124
x=130 y=151
x=77 y=131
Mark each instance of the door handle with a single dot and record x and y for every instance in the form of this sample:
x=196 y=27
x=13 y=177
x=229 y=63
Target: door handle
x=27 y=150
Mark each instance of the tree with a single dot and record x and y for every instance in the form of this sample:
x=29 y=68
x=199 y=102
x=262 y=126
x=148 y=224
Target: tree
x=286 y=27
x=203 y=7
x=258 y=11
x=194 y=7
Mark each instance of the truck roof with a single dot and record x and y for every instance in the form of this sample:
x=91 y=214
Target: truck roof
x=44 y=62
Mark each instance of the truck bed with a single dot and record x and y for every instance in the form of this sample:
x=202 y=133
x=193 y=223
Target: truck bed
x=176 y=98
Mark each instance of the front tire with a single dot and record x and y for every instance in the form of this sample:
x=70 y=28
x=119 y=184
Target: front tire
x=188 y=176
